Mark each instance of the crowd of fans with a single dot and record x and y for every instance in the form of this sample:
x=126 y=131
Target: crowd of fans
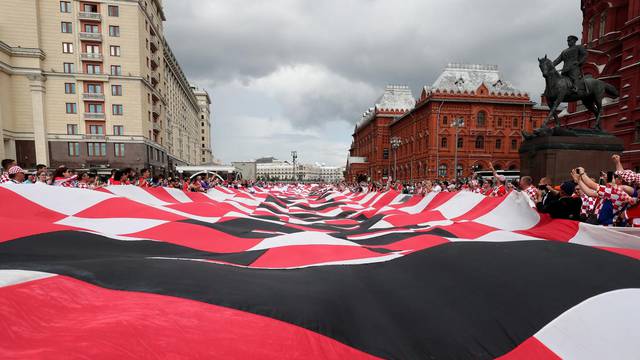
x=608 y=198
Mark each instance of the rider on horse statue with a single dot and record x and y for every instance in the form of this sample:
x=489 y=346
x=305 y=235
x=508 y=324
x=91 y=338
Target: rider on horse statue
x=572 y=58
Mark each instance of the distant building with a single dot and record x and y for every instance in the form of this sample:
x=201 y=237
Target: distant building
x=280 y=170
x=611 y=34
x=493 y=112
x=204 y=117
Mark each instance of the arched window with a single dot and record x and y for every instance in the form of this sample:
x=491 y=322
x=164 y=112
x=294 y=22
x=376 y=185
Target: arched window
x=497 y=167
x=513 y=167
x=498 y=144
x=480 y=142
x=443 y=142
x=480 y=119
x=460 y=142
x=590 y=31
x=459 y=170
x=514 y=144
x=515 y=122
x=499 y=122
x=442 y=170
x=445 y=120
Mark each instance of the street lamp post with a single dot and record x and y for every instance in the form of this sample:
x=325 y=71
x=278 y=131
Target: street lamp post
x=395 y=144
x=294 y=155
x=457 y=123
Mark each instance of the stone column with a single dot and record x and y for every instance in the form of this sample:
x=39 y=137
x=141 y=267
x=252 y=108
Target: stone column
x=37 y=86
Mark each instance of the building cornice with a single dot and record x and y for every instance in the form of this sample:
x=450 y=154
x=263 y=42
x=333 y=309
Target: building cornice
x=22 y=52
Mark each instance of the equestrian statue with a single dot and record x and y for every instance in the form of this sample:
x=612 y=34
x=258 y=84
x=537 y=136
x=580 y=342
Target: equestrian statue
x=570 y=85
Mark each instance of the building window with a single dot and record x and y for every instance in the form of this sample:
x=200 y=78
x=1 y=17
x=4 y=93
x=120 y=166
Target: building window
x=114 y=30
x=96 y=130
x=201 y=124
x=94 y=88
x=91 y=28
x=74 y=149
x=443 y=142
x=94 y=69
x=114 y=10
x=67 y=48
x=480 y=119
x=203 y=160
x=65 y=6
x=460 y=142
x=637 y=133
x=69 y=88
x=72 y=108
x=116 y=90
x=515 y=122
x=92 y=8
x=72 y=129
x=116 y=109
x=385 y=153
x=445 y=120
x=479 y=142
x=95 y=108
x=498 y=144
x=119 y=150
x=202 y=117
x=116 y=70
x=97 y=149
x=118 y=129
x=92 y=49
x=499 y=122
x=590 y=31
x=603 y=23
x=66 y=27
x=459 y=170
x=442 y=170
x=114 y=50
x=514 y=144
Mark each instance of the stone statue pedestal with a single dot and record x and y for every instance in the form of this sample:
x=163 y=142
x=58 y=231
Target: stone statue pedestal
x=555 y=156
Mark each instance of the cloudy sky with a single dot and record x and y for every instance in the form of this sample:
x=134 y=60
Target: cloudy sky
x=296 y=74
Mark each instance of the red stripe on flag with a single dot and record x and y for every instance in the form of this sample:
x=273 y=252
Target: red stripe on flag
x=59 y=317
x=531 y=349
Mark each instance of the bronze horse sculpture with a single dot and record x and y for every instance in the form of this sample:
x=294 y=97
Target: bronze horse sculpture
x=559 y=89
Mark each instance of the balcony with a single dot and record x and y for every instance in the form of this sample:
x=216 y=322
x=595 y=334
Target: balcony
x=85 y=15
x=93 y=96
x=90 y=36
x=94 y=116
x=91 y=56
x=157 y=126
x=155 y=61
x=94 y=137
x=155 y=79
x=153 y=44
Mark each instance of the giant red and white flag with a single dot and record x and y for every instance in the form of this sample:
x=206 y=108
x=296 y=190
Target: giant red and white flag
x=298 y=272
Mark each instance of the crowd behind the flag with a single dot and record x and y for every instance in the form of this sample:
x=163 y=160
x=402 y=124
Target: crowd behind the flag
x=607 y=198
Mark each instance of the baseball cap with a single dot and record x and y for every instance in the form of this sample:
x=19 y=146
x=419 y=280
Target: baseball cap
x=16 y=169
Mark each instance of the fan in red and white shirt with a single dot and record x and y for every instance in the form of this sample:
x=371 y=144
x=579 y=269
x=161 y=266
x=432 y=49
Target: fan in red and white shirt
x=500 y=188
x=616 y=193
x=526 y=185
x=6 y=165
x=62 y=177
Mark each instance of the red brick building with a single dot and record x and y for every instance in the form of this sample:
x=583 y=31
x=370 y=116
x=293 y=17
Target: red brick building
x=370 y=153
x=493 y=112
x=611 y=33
